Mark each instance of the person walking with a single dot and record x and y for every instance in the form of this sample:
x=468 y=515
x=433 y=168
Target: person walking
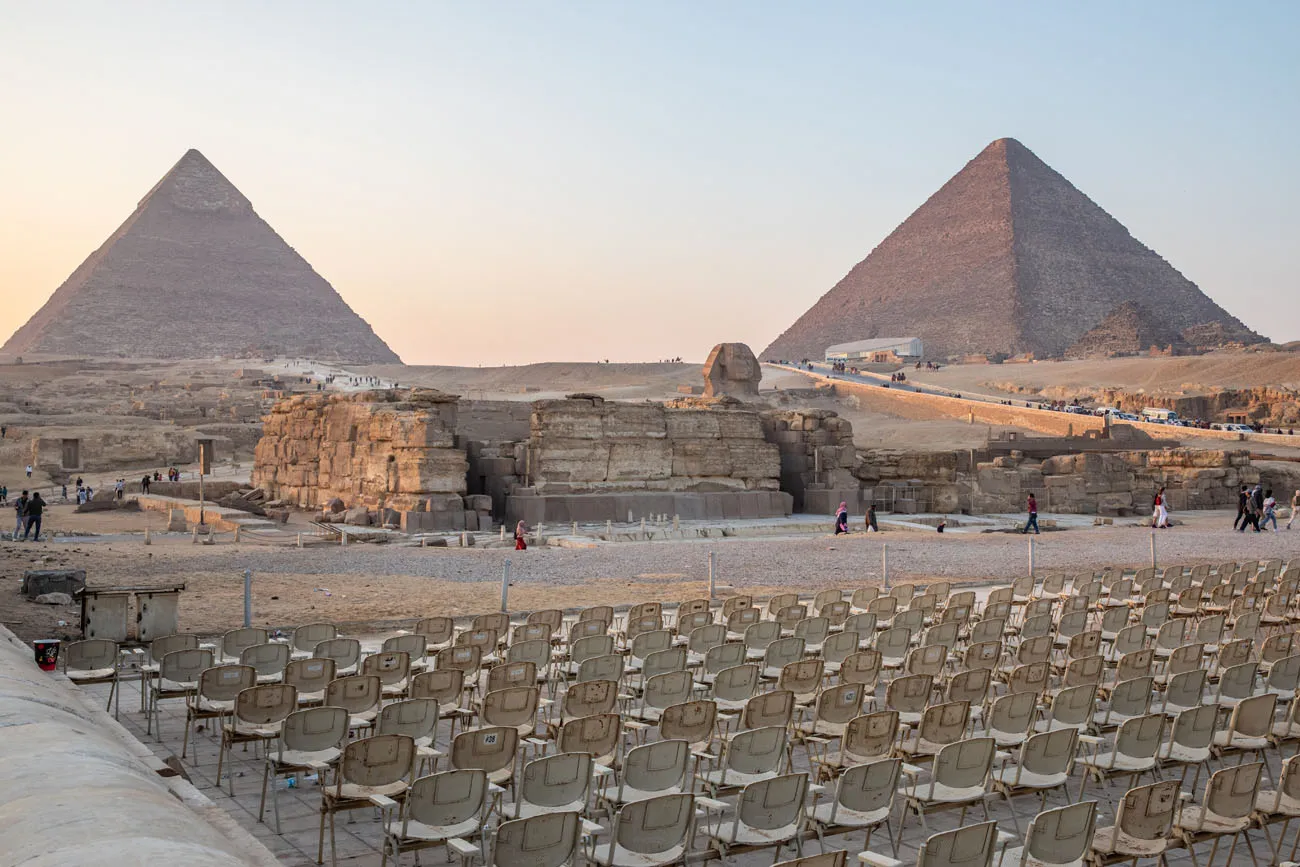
x=521 y=529
x=35 y=507
x=872 y=526
x=1033 y=516
x=1251 y=518
x=1243 y=497
x=1270 y=510
x=1295 y=507
x=4 y=495
x=29 y=471
x=1160 y=517
x=20 y=514
x=144 y=484
x=842 y=519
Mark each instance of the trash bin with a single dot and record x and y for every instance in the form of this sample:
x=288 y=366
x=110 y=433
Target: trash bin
x=47 y=653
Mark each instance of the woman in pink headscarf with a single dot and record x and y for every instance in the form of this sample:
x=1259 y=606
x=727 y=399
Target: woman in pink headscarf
x=842 y=519
x=521 y=530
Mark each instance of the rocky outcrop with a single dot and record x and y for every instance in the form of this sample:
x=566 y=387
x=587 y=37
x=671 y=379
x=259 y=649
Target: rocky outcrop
x=732 y=370
x=377 y=448
x=817 y=458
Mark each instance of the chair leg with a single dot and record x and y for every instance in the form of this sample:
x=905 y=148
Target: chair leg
x=261 y=805
x=1012 y=807
x=221 y=756
x=334 y=852
x=185 y=741
x=320 y=842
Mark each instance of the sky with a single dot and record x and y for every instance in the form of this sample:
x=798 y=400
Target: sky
x=509 y=182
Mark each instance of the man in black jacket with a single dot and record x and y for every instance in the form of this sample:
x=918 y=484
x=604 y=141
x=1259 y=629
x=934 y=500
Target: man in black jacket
x=20 y=514
x=35 y=506
x=1242 y=496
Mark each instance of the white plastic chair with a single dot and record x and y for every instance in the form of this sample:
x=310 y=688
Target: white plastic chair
x=437 y=809
x=1225 y=810
x=769 y=813
x=649 y=832
x=1056 y=838
x=1134 y=753
x=1045 y=763
x=959 y=778
x=311 y=741
x=863 y=800
x=1143 y=822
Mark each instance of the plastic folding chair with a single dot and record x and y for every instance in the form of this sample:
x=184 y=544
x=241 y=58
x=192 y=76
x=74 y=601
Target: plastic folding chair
x=1143 y=823
x=748 y=757
x=863 y=800
x=310 y=677
x=866 y=738
x=649 y=771
x=373 y=772
x=437 y=809
x=258 y=717
x=1225 y=810
x=268 y=660
x=1134 y=753
x=346 y=653
x=1190 y=739
x=560 y=783
x=417 y=718
x=958 y=779
x=1045 y=763
x=214 y=698
x=1056 y=838
x=649 y=832
x=941 y=725
x=311 y=741
x=94 y=661
x=769 y=814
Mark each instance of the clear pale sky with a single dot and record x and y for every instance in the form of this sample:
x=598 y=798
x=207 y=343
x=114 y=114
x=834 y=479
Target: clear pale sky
x=492 y=182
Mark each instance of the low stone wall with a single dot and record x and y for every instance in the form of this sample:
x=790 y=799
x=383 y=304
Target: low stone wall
x=534 y=508
x=79 y=790
x=219 y=518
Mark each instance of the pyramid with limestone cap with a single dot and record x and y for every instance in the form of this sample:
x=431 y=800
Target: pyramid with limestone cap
x=1008 y=257
x=194 y=272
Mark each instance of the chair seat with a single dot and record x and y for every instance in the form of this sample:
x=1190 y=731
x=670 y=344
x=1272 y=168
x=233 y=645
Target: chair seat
x=1268 y=803
x=1008 y=739
x=1233 y=740
x=631 y=793
x=311 y=697
x=243 y=728
x=501 y=775
x=1017 y=857
x=207 y=705
x=358 y=792
x=1112 y=841
x=1195 y=818
x=622 y=857
x=1110 y=718
x=528 y=810
x=1176 y=752
x=307 y=758
x=736 y=778
x=1029 y=779
x=432 y=833
x=919 y=746
x=177 y=687
x=77 y=675
x=1112 y=761
x=847 y=818
x=269 y=678
x=746 y=835
x=1286 y=730
x=943 y=794
x=365 y=718
x=1051 y=725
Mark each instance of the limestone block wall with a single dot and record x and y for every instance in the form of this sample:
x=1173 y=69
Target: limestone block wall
x=584 y=444
x=112 y=449
x=391 y=448
x=817 y=458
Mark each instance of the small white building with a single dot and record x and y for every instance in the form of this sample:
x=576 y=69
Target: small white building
x=879 y=349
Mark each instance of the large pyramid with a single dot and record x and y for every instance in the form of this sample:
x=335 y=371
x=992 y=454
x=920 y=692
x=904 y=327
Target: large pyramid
x=194 y=273
x=1007 y=257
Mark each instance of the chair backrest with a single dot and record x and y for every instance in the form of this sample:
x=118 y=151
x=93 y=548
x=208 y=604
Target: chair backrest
x=495 y=621
x=234 y=641
x=544 y=840
x=738 y=683
x=703 y=638
x=436 y=630
x=722 y=656
x=664 y=661
x=266 y=659
x=690 y=721
x=912 y=620
x=90 y=655
x=587 y=628
x=968 y=846
x=645 y=609
x=862 y=667
x=772 y=804
x=1029 y=678
x=510 y=674
x=165 y=644
x=813 y=630
x=346 y=652
x=864 y=596
x=775 y=708
x=601 y=668
x=267 y=704
x=803 y=677
x=971 y=685
x=1130 y=639
x=314 y=729
x=1147 y=812
x=988 y=630
x=789 y=615
x=781 y=600
x=307 y=636
x=1031 y=650
x=1050 y=752
x=1132 y=697
x=557 y=780
x=390 y=666
x=484 y=639
x=598 y=735
x=1037 y=627
x=1072 y=624
x=1073 y=706
x=840 y=645
x=655 y=825
x=893 y=644
x=1013 y=713
x=868 y=787
x=1062 y=836
x=184 y=666
x=448 y=798
x=863 y=623
x=657 y=766
x=552 y=617
x=1194 y=728
x=597 y=612
x=357 y=693
x=669 y=688
x=761 y=634
x=1053 y=585
x=945 y=723
x=1000 y=594
x=740 y=619
x=376 y=761
x=942 y=633
x=536 y=650
x=531 y=632
x=486 y=749
x=929 y=659
x=1230 y=792
x=757 y=751
x=883 y=607
x=1114 y=618
x=841 y=703
x=1186 y=657
x=835 y=612
x=646 y=623
x=909 y=694
x=1236 y=652
x=965 y=764
x=649 y=642
x=1274 y=648
x=590 y=697
x=1284 y=675
x=983 y=654
x=693 y=606
x=444 y=685
x=225 y=682
x=1140 y=737
x=513 y=706
x=416 y=718
x=1238 y=681
x=310 y=675
x=825 y=597
x=591 y=646
x=1253 y=717
x=1083 y=644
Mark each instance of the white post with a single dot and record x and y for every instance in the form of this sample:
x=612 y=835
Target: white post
x=343 y=538
x=463 y=539
x=1031 y=556
x=713 y=575
x=675 y=522
x=248 y=597
x=1153 y=549
x=643 y=526
x=609 y=528
x=630 y=519
x=503 y=532
x=300 y=540
x=574 y=531
x=146 y=536
x=884 y=563
x=194 y=536
x=505 y=585
x=237 y=539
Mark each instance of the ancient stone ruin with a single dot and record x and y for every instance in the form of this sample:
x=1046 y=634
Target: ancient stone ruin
x=1008 y=257
x=817 y=459
x=195 y=272
x=377 y=448
x=732 y=370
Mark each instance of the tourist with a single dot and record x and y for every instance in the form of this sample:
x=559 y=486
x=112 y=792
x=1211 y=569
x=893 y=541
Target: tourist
x=842 y=519
x=1251 y=518
x=1033 y=517
x=4 y=431
x=29 y=471
x=1270 y=510
x=1160 y=515
x=872 y=526
x=144 y=484
x=81 y=495
x=119 y=489
x=20 y=514
x=521 y=529
x=4 y=496
x=1295 y=507
x=65 y=493
x=34 y=508
x=80 y=482
x=1243 y=499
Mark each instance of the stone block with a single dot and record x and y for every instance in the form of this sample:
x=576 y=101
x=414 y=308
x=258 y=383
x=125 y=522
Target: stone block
x=41 y=581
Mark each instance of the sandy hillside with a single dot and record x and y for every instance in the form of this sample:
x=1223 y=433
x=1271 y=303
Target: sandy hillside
x=549 y=379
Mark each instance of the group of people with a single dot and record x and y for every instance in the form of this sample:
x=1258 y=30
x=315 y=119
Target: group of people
x=898 y=377
x=842 y=519
x=1257 y=508
x=28 y=511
